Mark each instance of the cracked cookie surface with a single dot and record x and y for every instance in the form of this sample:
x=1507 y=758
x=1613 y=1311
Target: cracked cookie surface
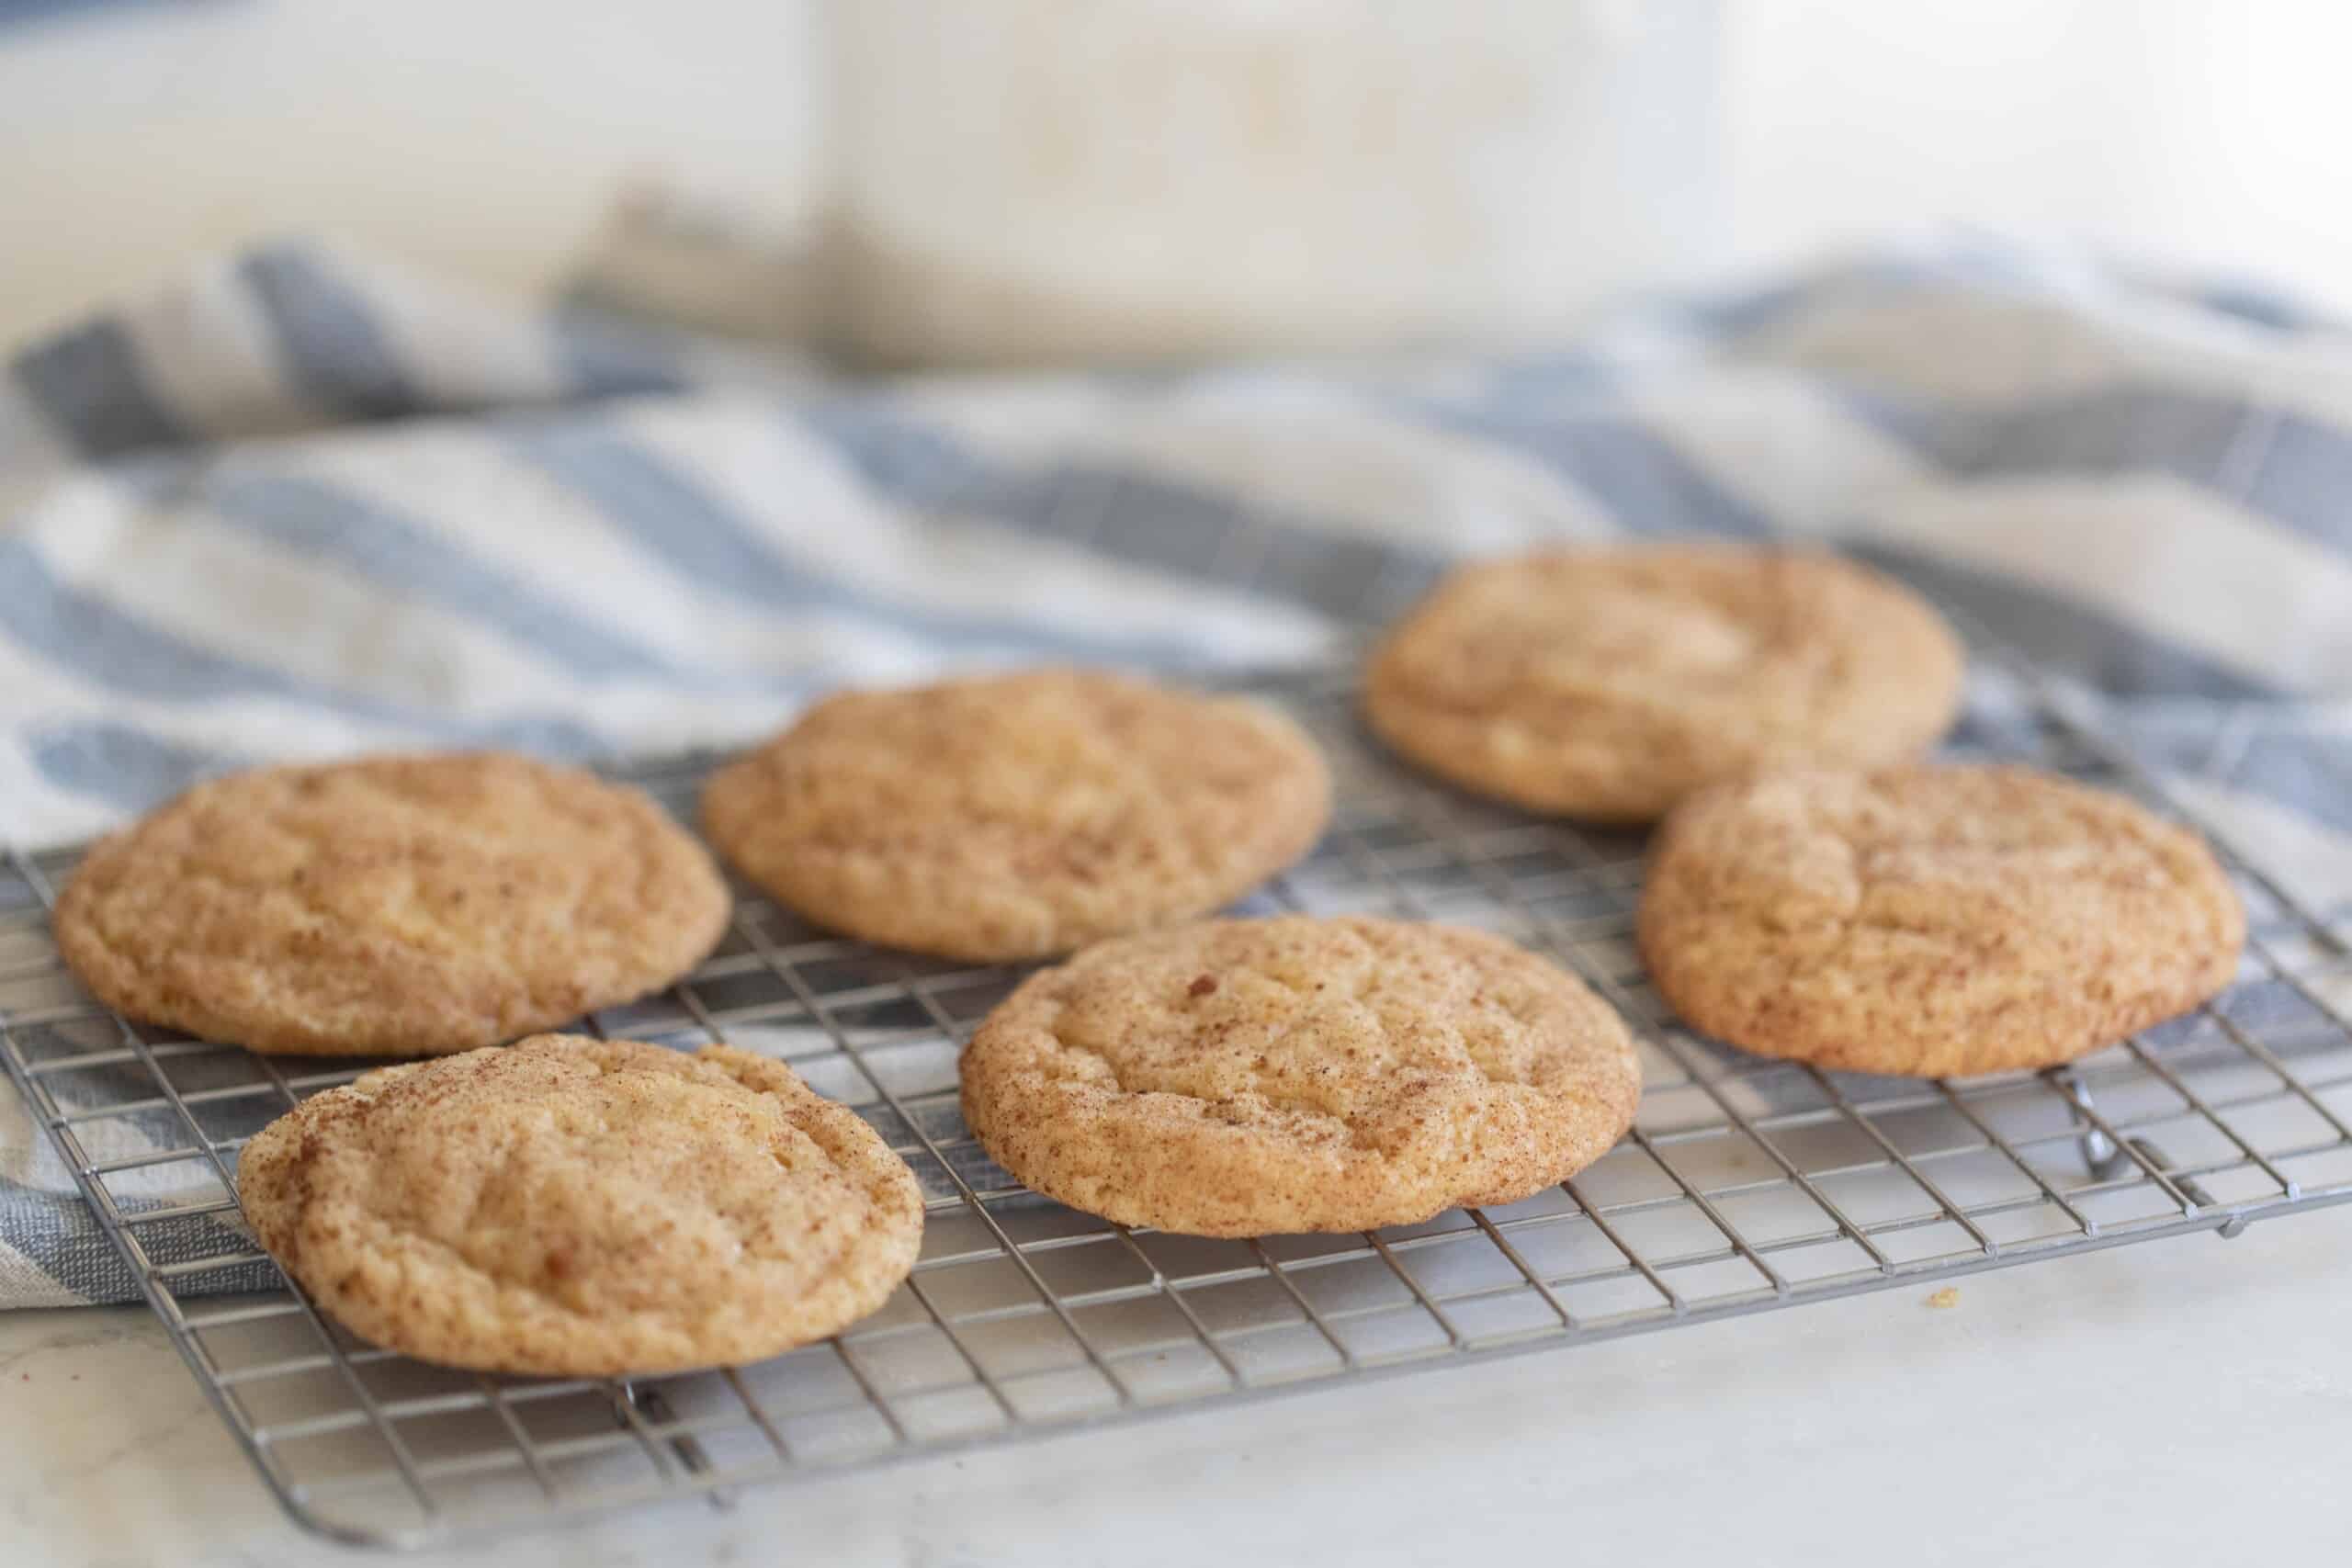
x=586 y=1208
x=1608 y=684
x=1018 y=816
x=1931 y=920
x=392 y=906
x=1254 y=1078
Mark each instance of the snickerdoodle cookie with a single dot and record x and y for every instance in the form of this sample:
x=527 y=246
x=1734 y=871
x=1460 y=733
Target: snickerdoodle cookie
x=1608 y=684
x=1015 y=815
x=1931 y=920
x=583 y=1208
x=1247 y=1078
x=394 y=905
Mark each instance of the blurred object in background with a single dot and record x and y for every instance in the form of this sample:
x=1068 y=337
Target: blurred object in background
x=671 y=255
x=1066 y=180
x=1029 y=179
x=487 y=143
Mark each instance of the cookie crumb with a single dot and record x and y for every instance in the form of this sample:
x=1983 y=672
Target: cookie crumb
x=1945 y=1298
x=1202 y=985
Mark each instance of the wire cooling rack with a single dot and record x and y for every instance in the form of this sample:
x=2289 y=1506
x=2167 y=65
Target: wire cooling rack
x=1745 y=1183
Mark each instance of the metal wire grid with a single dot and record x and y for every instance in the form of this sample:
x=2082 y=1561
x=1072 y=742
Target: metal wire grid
x=1745 y=1183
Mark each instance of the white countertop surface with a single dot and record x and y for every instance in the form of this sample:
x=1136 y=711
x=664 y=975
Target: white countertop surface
x=2182 y=1401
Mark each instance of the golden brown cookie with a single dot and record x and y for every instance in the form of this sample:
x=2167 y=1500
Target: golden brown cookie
x=394 y=905
x=1608 y=684
x=1015 y=815
x=583 y=1208
x=1251 y=1077
x=1931 y=920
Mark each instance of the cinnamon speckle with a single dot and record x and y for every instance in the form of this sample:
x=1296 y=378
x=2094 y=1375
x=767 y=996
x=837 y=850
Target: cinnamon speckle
x=580 y=1207
x=1373 y=1095
x=1933 y=920
x=1041 y=810
x=355 y=908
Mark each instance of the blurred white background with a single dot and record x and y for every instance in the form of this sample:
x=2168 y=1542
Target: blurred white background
x=494 y=141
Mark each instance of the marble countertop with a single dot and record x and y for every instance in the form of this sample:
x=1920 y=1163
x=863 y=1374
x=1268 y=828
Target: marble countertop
x=2179 y=1401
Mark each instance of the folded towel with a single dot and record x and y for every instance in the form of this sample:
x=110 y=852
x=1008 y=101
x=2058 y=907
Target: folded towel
x=306 y=505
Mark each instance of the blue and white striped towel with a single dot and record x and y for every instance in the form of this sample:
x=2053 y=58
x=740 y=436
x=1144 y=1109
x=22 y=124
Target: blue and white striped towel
x=305 y=505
